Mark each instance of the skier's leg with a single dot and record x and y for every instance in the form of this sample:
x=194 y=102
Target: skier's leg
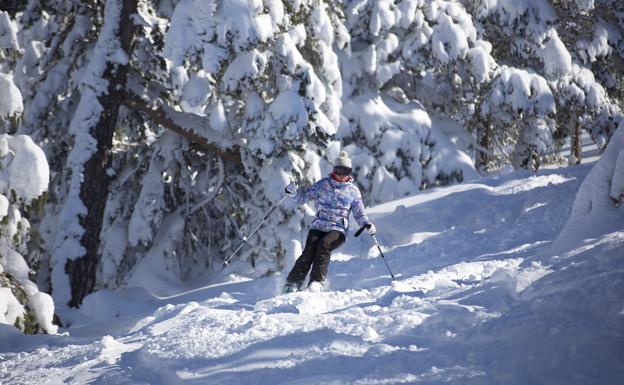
x=324 y=246
x=298 y=273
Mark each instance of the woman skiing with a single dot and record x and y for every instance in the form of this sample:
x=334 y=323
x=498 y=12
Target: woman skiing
x=336 y=196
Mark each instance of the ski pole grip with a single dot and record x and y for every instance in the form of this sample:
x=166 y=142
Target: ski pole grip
x=357 y=233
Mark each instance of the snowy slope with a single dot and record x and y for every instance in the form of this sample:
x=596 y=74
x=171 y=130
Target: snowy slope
x=479 y=300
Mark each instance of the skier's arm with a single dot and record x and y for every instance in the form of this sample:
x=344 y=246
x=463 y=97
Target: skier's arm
x=358 y=211
x=305 y=194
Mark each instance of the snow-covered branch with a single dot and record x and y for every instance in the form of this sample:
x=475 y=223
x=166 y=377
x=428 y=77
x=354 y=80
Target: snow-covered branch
x=188 y=125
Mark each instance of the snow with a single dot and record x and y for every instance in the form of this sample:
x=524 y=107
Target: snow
x=298 y=35
x=557 y=60
x=523 y=90
x=598 y=46
x=24 y=169
x=595 y=210
x=156 y=272
x=13 y=263
x=10 y=308
x=196 y=92
x=79 y=31
x=43 y=307
x=11 y=104
x=247 y=65
x=617 y=183
x=383 y=17
x=406 y=139
x=321 y=25
x=8 y=32
x=4 y=206
x=46 y=92
x=212 y=57
x=537 y=13
x=147 y=209
x=585 y=5
x=218 y=118
x=217 y=26
x=180 y=36
x=480 y=60
x=387 y=71
x=289 y=109
x=479 y=299
x=448 y=34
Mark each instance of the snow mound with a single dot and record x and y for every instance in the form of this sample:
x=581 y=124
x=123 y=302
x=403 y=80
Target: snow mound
x=598 y=205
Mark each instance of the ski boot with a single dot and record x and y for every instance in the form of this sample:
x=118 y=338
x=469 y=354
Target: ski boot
x=291 y=287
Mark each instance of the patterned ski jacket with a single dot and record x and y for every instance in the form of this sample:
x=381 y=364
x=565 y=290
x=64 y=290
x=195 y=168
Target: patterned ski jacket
x=335 y=200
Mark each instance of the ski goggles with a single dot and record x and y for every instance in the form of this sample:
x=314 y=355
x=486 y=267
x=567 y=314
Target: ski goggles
x=342 y=171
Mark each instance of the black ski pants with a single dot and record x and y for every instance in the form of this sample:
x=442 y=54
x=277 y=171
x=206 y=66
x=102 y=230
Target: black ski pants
x=316 y=254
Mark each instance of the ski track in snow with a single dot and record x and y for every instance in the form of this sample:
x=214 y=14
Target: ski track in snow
x=478 y=300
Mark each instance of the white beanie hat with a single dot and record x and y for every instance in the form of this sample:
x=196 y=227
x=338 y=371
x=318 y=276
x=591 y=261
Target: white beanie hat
x=343 y=160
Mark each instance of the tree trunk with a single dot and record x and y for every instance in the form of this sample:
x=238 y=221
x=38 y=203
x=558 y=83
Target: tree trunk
x=484 y=140
x=575 y=145
x=97 y=178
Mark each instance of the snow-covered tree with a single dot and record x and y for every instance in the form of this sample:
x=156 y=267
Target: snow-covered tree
x=522 y=106
x=76 y=249
x=557 y=41
x=9 y=45
x=408 y=50
x=55 y=38
x=592 y=93
x=11 y=104
x=430 y=50
x=262 y=80
x=24 y=178
x=583 y=104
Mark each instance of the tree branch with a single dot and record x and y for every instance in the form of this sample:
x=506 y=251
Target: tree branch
x=186 y=124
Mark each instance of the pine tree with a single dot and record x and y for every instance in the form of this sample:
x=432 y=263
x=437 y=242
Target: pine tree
x=410 y=61
x=24 y=306
x=557 y=41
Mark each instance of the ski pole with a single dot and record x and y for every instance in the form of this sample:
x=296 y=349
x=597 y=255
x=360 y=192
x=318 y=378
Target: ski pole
x=266 y=216
x=357 y=234
x=382 y=256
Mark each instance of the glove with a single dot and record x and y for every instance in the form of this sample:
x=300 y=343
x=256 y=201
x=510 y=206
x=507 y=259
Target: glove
x=291 y=190
x=370 y=228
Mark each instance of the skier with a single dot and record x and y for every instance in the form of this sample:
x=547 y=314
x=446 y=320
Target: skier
x=336 y=196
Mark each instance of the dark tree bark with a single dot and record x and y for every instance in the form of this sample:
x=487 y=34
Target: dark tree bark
x=575 y=148
x=95 y=186
x=483 y=130
x=484 y=140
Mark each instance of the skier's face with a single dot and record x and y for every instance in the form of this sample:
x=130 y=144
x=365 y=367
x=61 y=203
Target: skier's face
x=342 y=173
